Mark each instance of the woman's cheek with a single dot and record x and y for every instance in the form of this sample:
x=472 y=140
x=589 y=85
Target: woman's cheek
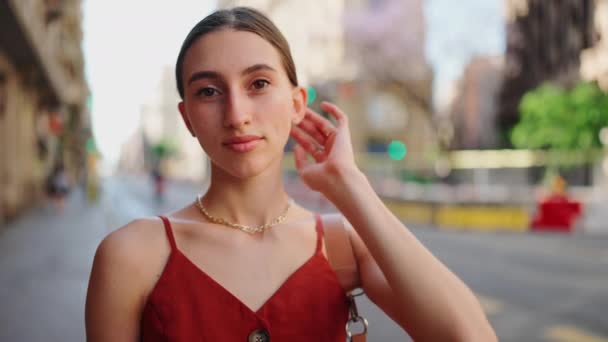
x=202 y=119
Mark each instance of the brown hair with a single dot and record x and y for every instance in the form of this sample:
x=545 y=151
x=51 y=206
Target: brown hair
x=240 y=19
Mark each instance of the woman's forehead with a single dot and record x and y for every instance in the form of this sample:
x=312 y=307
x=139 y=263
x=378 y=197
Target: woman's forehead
x=229 y=51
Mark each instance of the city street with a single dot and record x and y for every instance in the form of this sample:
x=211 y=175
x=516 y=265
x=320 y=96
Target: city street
x=534 y=287
x=483 y=125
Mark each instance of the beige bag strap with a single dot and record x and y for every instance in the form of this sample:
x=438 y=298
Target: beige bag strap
x=342 y=259
x=339 y=252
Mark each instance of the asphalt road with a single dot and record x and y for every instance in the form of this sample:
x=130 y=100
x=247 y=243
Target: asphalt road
x=534 y=287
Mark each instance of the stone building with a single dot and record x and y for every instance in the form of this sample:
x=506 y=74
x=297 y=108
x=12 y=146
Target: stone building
x=544 y=43
x=475 y=105
x=43 y=111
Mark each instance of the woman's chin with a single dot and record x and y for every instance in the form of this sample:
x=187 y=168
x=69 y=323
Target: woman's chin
x=245 y=174
x=247 y=166
x=244 y=170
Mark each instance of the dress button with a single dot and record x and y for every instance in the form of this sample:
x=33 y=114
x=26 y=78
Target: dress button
x=259 y=335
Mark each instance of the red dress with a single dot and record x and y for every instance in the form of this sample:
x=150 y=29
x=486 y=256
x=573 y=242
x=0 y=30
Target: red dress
x=187 y=305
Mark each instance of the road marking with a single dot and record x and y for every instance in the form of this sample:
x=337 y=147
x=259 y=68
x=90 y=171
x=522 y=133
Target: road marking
x=568 y=333
x=490 y=306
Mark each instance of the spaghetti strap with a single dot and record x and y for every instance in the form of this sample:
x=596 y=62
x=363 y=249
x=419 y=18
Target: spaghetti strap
x=319 y=229
x=169 y=232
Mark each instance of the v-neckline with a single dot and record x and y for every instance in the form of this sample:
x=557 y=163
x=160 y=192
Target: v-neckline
x=230 y=294
x=317 y=251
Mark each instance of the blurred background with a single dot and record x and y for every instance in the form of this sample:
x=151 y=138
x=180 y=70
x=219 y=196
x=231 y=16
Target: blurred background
x=483 y=125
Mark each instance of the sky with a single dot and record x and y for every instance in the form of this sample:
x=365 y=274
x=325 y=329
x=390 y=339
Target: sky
x=128 y=43
x=457 y=31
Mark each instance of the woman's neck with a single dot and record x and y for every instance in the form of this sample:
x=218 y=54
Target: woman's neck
x=253 y=201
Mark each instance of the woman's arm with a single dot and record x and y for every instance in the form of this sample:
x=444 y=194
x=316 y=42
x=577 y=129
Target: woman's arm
x=114 y=296
x=399 y=274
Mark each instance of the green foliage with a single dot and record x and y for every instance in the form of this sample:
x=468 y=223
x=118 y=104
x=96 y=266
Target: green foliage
x=555 y=118
x=164 y=149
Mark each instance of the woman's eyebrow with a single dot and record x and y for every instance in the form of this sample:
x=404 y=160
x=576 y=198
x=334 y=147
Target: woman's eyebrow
x=257 y=67
x=215 y=75
x=202 y=75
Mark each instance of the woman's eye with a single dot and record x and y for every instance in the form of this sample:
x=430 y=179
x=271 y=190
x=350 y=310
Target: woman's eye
x=260 y=84
x=206 y=92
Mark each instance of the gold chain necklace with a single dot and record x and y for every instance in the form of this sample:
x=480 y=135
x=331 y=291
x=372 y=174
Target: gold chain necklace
x=245 y=228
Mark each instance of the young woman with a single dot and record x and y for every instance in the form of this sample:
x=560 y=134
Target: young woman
x=236 y=264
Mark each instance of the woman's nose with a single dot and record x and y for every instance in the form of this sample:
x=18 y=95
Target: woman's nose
x=238 y=110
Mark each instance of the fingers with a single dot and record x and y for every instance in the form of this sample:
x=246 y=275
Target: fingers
x=303 y=139
x=311 y=129
x=308 y=144
x=299 y=156
x=322 y=124
x=332 y=109
x=315 y=133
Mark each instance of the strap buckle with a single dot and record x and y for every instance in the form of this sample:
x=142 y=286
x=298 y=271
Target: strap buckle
x=354 y=318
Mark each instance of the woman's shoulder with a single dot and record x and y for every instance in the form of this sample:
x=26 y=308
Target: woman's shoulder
x=134 y=248
x=135 y=236
x=125 y=268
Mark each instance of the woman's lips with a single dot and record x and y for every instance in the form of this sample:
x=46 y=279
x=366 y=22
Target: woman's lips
x=243 y=144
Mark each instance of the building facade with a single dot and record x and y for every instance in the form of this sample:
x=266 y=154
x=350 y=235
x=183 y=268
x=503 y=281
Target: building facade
x=474 y=108
x=43 y=111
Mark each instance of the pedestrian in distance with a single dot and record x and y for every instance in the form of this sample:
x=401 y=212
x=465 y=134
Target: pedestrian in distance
x=158 y=180
x=244 y=262
x=58 y=186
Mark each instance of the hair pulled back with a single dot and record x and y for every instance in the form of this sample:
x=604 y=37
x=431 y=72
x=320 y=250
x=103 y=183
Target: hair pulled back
x=239 y=19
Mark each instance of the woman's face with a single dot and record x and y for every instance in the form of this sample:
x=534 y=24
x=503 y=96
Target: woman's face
x=238 y=101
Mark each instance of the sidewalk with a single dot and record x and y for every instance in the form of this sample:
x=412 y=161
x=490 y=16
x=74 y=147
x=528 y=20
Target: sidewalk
x=45 y=258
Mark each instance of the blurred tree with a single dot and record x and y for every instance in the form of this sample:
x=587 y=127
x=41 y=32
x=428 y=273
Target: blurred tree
x=556 y=118
x=164 y=149
x=537 y=51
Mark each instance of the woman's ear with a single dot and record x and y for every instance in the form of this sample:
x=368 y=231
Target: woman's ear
x=182 y=111
x=300 y=103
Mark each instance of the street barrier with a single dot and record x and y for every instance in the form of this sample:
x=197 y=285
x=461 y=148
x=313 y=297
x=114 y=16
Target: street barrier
x=469 y=217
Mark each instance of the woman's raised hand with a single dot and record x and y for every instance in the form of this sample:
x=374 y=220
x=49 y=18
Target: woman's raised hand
x=328 y=144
